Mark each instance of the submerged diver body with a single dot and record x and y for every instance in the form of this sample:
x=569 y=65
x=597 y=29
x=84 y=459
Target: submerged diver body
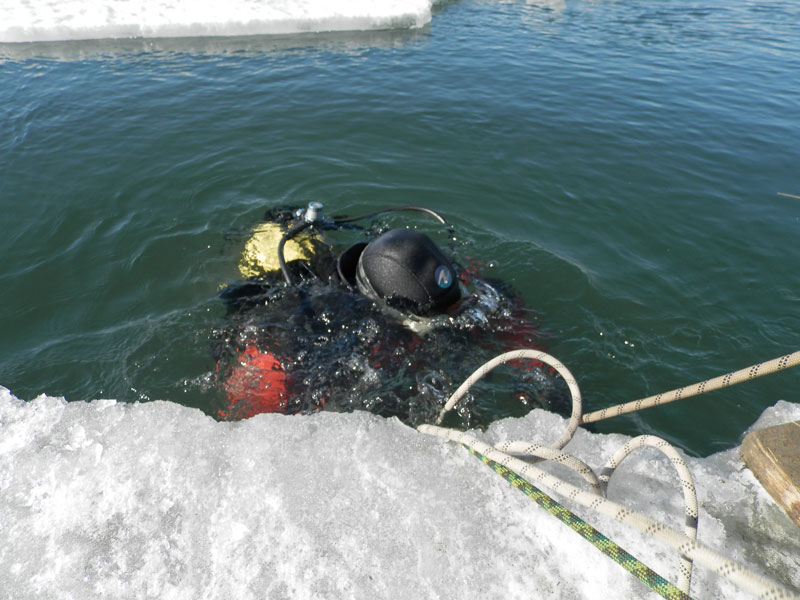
x=387 y=325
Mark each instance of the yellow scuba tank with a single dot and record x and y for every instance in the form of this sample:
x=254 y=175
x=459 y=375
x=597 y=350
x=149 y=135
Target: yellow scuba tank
x=260 y=254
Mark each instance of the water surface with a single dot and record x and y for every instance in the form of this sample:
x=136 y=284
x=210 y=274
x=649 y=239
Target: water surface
x=621 y=165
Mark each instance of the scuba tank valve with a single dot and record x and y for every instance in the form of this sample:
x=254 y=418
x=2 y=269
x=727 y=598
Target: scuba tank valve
x=313 y=213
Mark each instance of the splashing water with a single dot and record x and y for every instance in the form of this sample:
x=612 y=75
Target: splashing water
x=341 y=351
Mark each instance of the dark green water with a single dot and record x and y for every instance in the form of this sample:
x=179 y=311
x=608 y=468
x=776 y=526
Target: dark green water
x=622 y=164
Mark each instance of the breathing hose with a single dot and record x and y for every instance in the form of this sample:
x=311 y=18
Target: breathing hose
x=395 y=209
x=285 y=238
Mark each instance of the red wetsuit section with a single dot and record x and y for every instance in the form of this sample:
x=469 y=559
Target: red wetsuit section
x=257 y=384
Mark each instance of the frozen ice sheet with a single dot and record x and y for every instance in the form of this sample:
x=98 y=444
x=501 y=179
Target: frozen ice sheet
x=50 y=20
x=156 y=500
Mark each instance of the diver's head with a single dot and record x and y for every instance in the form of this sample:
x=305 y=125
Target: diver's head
x=405 y=269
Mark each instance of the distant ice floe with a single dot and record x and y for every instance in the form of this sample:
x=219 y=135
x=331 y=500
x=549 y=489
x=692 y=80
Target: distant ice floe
x=58 y=20
x=156 y=500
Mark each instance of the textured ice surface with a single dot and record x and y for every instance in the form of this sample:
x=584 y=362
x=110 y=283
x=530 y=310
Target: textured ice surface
x=156 y=500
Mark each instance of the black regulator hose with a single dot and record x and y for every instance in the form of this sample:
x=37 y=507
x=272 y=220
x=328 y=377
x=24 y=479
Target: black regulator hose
x=285 y=238
x=395 y=209
x=293 y=231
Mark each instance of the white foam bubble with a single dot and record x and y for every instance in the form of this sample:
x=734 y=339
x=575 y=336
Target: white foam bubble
x=113 y=500
x=51 y=20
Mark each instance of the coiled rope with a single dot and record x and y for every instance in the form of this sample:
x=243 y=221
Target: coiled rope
x=514 y=468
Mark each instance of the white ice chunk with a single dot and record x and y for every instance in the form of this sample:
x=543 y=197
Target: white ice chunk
x=156 y=500
x=49 y=20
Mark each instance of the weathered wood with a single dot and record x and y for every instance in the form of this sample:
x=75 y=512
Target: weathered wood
x=773 y=455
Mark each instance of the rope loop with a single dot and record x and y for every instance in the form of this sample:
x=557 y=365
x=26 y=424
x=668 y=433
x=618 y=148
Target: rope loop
x=483 y=370
x=687 y=483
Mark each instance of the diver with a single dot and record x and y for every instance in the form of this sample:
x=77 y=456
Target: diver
x=382 y=325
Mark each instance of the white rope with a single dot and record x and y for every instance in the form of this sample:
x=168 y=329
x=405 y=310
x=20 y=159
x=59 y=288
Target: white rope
x=480 y=373
x=685 y=544
x=765 y=368
x=687 y=483
x=525 y=450
x=692 y=549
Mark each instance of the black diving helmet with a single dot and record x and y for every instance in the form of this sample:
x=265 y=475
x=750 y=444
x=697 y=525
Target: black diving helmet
x=403 y=268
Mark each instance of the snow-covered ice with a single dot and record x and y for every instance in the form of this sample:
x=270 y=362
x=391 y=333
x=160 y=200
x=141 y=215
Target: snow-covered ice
x=156 y=500
x=49 y=20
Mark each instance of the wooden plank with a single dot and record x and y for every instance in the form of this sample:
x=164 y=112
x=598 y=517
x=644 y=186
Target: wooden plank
x=773 y=455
